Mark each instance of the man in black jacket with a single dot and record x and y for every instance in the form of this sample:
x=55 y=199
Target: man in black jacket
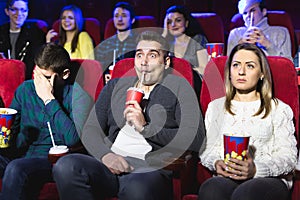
x=19 y=39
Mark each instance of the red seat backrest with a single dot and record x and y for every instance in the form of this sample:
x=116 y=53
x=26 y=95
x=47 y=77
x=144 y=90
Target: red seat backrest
x=181 y=67
x=12 y=74
x=212 y=26
x=91 y=26
x=275 y=18
x=285 y=84
x=89 y=76
x=140 y=22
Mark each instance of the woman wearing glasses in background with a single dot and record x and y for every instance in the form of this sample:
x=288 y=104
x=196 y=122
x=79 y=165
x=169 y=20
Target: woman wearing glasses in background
x=19 y=39
x=71 y=36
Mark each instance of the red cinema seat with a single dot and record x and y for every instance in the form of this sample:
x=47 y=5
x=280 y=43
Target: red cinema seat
x=212 y=26
x=88 y=75
x=285 y=88
x=12 y=74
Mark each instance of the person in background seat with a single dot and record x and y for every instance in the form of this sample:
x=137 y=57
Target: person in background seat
x=19 y=39
x=121 y=45
x=273 y=40
x=71 y=35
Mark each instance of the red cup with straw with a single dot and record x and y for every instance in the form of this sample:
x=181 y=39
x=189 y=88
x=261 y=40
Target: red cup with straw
x=56 y=151
x=136 y=93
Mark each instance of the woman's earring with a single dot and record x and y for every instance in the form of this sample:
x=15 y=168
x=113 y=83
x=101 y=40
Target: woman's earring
x=261 y=78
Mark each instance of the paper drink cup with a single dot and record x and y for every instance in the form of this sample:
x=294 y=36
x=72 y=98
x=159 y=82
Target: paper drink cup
x=56 y=152
x=7 y=116
x=235 y=147
x=136 y=94
x=215 y=49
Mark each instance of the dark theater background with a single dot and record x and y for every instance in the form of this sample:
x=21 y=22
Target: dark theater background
x=48 y=10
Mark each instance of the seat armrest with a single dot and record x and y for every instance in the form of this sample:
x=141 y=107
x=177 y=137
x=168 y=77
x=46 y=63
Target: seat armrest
x=297 y=175
x=78 y=148
x=176 y=164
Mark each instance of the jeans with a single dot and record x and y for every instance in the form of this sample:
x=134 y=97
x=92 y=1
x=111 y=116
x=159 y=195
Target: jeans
x=254 y=189
x=83 y=177
x=24 y=177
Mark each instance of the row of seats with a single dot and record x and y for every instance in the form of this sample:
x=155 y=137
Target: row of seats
x=185 y=174
x=211 y=23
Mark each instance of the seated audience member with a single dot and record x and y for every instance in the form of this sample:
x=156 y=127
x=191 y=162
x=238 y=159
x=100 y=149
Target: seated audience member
x=274 y=40
x=72 y=37
x=44 y=99
x=19 y=39
x=249 y=108
x=123 y=43
x=187 y=38
x=129 y=140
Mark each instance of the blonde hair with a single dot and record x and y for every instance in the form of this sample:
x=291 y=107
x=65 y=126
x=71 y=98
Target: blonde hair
x=263 y=87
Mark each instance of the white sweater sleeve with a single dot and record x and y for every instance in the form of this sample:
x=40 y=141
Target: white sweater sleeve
x=213 y=145
x=283 y=155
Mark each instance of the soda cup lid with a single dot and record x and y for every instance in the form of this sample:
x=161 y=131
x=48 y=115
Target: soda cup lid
x=136 y=89
x=58 y=149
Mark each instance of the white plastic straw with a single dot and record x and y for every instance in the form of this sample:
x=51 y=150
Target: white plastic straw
x=8 y=53
x=142 y=79
x=251 y=19
x=114 y=60
x=51 y=134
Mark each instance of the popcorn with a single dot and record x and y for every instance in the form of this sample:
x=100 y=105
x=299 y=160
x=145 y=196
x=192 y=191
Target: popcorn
x=234 y=154
x=244 y=153
x=239 y=157
x=4 y=129
x=3 y=112
x=214 y=54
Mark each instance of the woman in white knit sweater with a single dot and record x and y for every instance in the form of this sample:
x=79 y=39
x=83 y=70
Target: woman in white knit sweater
x=249 y=108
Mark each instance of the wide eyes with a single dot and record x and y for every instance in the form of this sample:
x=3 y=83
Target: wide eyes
x=138 y=55
x=150 y=55
x=153 y=55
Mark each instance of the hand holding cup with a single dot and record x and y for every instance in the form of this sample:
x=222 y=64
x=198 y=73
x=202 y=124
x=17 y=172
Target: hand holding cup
x=133 y=112
x=238 y=163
